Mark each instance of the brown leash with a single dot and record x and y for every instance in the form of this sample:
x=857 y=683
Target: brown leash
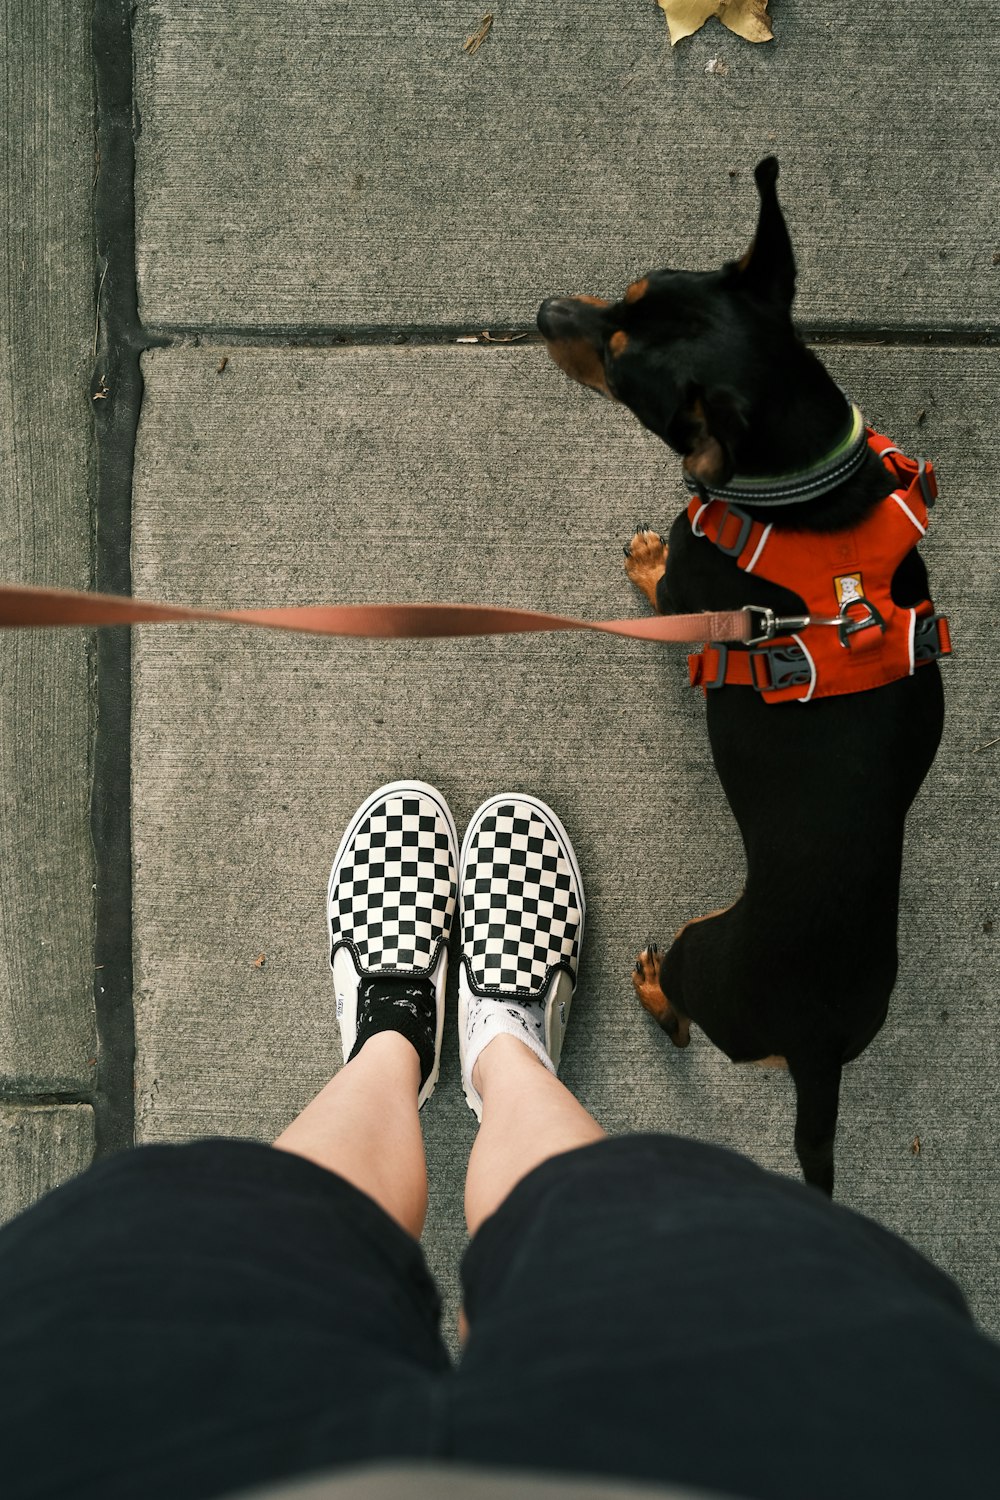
x=22 y=606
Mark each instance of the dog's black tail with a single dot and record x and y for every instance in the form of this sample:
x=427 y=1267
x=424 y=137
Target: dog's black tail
x=817 y=1088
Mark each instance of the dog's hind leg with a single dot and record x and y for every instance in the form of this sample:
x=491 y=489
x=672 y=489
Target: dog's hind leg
x=817 y=1089
x=646 y=980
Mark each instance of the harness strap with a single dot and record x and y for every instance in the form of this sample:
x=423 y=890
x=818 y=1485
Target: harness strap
x=732 y=530
x=766 y=669
x=787 y=664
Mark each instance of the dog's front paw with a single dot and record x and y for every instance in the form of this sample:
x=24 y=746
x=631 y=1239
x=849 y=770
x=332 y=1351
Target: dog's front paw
x=646 y=982
x=646 y=561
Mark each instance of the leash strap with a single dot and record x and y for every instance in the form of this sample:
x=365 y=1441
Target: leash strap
x=22 y=605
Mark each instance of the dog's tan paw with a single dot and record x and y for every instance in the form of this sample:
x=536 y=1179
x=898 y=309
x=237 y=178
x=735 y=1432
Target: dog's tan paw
x=646 y=982
x=646 y=561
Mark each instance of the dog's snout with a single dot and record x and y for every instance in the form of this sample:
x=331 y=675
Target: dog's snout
x=574 y=335
x=571 y=317
x=554 y=317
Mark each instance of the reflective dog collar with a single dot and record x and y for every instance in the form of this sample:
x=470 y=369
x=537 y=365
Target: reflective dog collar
x=804 y=484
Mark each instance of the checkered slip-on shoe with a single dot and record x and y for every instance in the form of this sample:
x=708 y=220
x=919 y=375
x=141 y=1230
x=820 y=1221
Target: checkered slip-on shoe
x=391 y=899
x=523 y=912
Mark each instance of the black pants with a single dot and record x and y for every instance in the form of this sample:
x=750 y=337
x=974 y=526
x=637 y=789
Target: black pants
x=182 y=1321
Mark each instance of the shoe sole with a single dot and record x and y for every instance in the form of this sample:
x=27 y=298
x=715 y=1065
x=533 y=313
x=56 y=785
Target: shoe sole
x=546 y=811
x=439 y=972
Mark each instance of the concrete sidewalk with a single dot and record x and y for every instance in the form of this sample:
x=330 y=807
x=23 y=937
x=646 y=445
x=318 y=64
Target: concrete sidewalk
x=472 y=473
x=332 y=166
x=47 y=1025
x=325 y=200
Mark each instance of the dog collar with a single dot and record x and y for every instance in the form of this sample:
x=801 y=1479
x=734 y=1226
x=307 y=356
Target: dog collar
x=804 y=484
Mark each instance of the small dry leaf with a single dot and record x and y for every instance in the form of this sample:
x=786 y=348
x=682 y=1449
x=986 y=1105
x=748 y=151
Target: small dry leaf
x=916 y=1145
x=475 y=41
x=717 y=65
x=260 y=960
x=501 y=338
x=223 y=362
x=748 y=18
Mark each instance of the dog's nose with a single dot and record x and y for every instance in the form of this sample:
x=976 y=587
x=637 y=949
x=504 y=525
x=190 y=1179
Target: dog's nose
x=555 y=317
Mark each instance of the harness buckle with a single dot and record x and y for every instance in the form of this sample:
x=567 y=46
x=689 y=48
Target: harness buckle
x=847 y=625
x=927 y=481
x=787 y=666
x=745 y=524
x=719 y=680
x=931 y=638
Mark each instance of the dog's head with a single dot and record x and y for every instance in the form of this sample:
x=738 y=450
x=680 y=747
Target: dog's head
x=691 y=353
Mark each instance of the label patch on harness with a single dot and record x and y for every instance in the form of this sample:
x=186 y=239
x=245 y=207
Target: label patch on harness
x=849 y=586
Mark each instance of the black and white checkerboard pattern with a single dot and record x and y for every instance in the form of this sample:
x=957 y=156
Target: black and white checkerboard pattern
x=394 y=896
x=521 y=913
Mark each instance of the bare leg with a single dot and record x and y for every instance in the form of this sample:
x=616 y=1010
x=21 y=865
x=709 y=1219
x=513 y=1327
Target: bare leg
x=364 y=1126
x=528 y=1116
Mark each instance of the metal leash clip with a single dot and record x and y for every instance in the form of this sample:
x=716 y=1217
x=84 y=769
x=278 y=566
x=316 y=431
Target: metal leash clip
x=771 y=625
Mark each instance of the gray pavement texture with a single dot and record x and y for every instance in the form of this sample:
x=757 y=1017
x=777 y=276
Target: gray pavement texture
x=310 y=173
x=482 y=474
x=344 y=165
x=41 y=1146
x=47 y=1034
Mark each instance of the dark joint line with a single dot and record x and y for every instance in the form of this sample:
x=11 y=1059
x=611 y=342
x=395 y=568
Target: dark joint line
x=117 y=395
x=317 y=336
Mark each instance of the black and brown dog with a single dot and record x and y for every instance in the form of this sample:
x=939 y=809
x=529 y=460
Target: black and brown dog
x=800 y=968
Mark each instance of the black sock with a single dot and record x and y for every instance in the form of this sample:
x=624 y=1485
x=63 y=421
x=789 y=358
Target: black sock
x=403 y=1003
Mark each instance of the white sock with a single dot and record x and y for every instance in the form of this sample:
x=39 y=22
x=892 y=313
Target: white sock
x=493 y=1018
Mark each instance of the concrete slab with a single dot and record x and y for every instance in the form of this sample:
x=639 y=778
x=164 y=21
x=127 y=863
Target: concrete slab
x=324 y=166
x=46 y=290
x=477 y=473
x=41 y=1146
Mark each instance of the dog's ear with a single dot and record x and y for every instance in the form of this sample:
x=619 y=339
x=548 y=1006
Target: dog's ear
x=767 y=270
x=715 y=423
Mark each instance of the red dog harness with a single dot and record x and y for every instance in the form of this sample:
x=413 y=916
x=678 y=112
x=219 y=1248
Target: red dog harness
x=852 y=636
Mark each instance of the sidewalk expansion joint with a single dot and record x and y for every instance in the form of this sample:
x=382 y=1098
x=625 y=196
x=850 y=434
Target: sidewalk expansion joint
x=304 y=336
x=300 y=336
x=116 y=393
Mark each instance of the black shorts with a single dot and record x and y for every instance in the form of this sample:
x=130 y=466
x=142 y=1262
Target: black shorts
x=184 y=1321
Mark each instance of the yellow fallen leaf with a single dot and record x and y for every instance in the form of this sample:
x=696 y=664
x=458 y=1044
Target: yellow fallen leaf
x=475 y=41
x=748 y=18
